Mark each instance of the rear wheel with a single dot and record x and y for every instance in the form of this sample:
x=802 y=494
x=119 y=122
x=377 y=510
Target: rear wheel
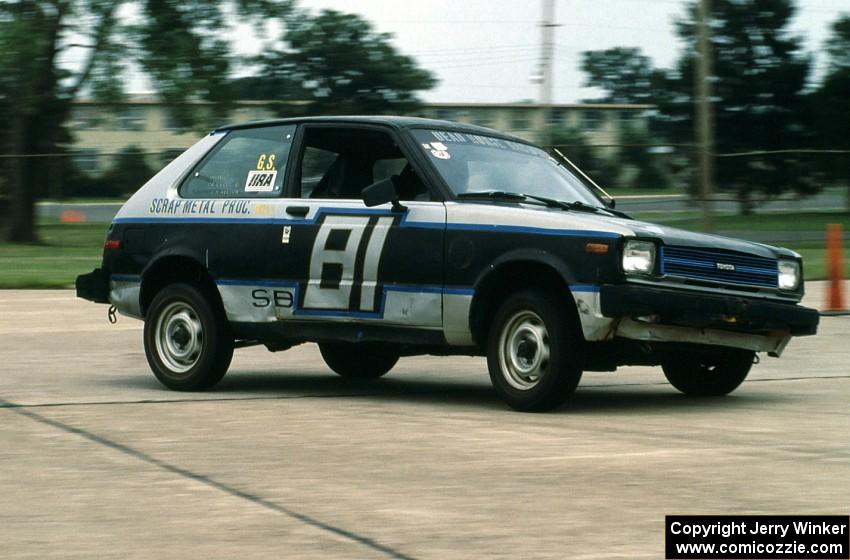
x=187 y=339
x=534 y=352
x=359 y=360
x=709 y=373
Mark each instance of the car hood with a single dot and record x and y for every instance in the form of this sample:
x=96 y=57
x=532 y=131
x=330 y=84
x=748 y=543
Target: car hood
x=675 y=236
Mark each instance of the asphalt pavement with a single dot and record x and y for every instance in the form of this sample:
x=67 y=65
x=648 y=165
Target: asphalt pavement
x=286 y=460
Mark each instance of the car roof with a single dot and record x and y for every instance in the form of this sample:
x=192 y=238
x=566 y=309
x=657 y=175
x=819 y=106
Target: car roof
x=383 y=120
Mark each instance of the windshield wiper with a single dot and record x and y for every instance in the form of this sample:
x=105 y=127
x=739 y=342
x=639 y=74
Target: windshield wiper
x=523 y=197
x=503 y=195
x=563 y=204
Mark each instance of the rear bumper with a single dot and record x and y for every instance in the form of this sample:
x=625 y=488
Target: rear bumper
x=707 y=311
x=94 y=286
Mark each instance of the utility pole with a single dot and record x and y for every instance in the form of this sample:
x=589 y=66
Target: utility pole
x=704 y=129
x=547 y=59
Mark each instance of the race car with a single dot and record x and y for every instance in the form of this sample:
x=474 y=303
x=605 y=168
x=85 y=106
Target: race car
x=381 y=237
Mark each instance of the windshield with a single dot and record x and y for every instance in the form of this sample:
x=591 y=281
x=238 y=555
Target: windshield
x=471 y=163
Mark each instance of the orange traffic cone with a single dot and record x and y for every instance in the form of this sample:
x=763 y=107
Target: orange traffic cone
x=835 y=271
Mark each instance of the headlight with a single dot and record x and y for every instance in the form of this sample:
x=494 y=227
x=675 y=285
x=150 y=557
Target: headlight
x=638 y=257
x=789 y=274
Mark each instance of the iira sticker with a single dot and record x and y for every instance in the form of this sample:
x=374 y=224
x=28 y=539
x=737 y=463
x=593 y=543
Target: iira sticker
x=441 y=154
x=260 y=181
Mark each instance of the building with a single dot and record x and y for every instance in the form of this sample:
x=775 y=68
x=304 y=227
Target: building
x=101 y=131
x=600 y=122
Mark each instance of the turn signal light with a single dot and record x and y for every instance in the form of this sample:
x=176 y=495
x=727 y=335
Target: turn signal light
x=596 y=248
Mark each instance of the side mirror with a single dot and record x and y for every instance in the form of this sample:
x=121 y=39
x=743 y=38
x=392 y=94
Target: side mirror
x=610 y=203
x=382 y=192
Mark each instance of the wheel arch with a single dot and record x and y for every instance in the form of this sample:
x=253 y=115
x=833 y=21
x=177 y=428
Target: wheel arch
x=512 y=272
x=172 y=268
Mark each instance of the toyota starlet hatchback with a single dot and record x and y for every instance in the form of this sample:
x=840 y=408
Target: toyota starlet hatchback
x=381 y=237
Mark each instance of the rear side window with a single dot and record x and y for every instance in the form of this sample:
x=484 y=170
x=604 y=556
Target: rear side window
x=248 y=163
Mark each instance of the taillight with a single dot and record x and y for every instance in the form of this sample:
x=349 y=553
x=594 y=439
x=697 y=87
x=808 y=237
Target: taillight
x=112 y=244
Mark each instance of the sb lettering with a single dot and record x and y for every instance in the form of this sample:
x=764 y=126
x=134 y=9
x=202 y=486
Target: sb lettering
x=279 y=298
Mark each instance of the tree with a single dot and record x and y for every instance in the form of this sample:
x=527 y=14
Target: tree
x=625 y=74
x=176 y=42
x=831 y=105
x=760 y=73
x=759 y=99
x=339 y=64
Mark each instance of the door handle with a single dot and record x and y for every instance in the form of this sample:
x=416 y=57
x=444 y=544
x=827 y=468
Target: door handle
x=298 y=210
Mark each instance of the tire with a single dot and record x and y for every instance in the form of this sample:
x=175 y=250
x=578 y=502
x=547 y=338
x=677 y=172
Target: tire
x=534 y=353
x=359 y=360
x=711 y=373
x=188 y=342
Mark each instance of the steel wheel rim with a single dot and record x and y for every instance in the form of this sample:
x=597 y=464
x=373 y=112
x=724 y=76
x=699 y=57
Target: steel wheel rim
x=524 y=350
x=179 y=337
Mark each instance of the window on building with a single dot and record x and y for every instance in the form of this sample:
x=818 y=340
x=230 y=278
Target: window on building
x=131 y=118
x=168 y=121
x=558 y=117
x=591 y=119
x=87 y=160
x=84 y=118
x=249 y=162
x=444 y=114
x=482 y=117
x=520 y=120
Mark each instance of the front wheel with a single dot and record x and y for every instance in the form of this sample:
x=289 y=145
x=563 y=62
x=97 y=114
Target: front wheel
x=187 y=339
x=534 y=352
x=359 y=360
x=709 y=373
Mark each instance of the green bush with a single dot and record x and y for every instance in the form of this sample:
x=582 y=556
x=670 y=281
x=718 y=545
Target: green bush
x=129 y=171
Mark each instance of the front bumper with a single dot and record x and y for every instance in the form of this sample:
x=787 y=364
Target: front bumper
x=706 y=311
x=94 y=286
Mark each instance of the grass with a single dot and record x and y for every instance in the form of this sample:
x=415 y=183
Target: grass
x=67 y=250
x=72 y=249
x=618 y=192
x=781 y=222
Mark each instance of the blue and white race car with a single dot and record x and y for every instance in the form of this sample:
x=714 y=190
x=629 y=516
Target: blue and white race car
x=381 y=237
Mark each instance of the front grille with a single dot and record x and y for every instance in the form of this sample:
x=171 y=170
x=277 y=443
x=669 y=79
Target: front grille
x=717 y=265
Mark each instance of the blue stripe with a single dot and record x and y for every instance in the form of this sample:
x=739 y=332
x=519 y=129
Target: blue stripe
x=411 y=288
x=368 y=212
x=253 y=221
x=256 y=282
x=424 y=289
x=584 y=288
x=458 y=291
x=126 y=278
x=530 y=229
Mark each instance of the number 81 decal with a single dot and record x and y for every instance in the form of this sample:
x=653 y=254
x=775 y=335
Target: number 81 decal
x=344 y=263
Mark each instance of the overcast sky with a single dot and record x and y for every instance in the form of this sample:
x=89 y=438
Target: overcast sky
x=486 y=50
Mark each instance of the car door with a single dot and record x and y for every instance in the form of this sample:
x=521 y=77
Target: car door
x=342 y=262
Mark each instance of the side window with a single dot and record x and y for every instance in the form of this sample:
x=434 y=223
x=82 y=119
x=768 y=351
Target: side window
x=247 y=163
x=339 y=163
x=314 y=166
x=386 y=168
